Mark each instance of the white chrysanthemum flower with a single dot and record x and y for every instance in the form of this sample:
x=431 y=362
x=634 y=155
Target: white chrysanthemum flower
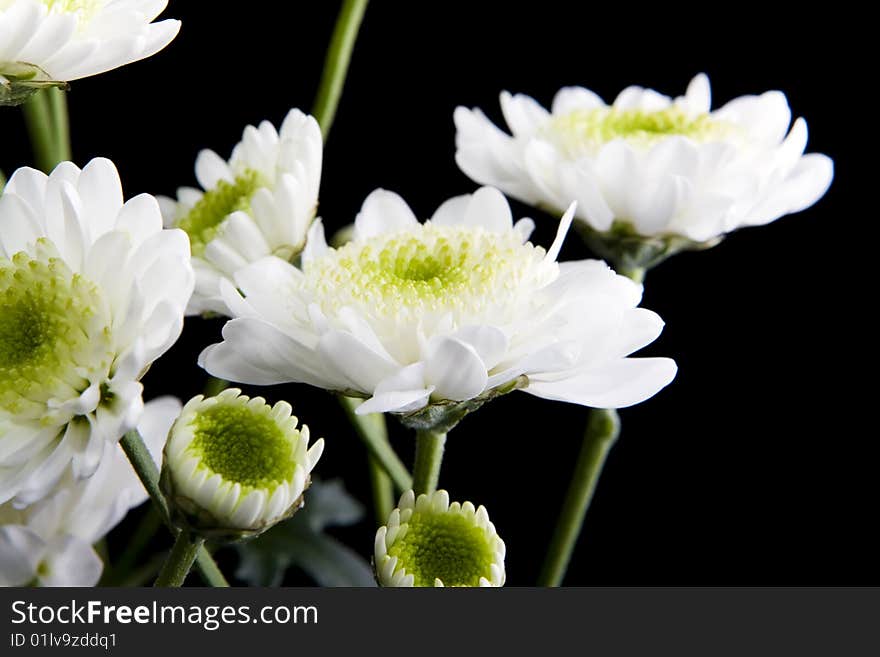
x=648 y=164
x=63 y=40
x=235 y=466
x=461 y=307
x=260 y=203
x=92 y=291
x=50 y=543
x=430 y=542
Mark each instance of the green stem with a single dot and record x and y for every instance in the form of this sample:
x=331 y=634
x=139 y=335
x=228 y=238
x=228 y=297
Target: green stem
x=635 y=273
x=337 y=61
x=38 y=119
x=60 y=123
x=45 y=115
x=429 y=457
x=148 y=473
x=215 y=386
x=383 y=493
x=180 y=560
x=372 y=431
x=603 y=428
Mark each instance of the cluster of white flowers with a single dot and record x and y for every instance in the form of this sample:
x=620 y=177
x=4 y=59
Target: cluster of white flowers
x=415 y=318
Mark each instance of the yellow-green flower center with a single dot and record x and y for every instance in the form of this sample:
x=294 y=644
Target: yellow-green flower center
x=428 y=269
x=205 y=218
x=54 y=333
x=244 y=445
x=579 y=132
x=445 y=546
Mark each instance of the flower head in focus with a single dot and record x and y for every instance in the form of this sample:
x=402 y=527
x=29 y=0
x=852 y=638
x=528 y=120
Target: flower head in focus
x=430 y=542
x=648 y=169
x=49 y=42
x=50 y=542
x=235 y=466
x=92 y=291
x=422 y=317
x=261 y=202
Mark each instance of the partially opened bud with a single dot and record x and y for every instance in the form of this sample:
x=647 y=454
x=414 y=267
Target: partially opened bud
x=235 y=466
x=430 y=542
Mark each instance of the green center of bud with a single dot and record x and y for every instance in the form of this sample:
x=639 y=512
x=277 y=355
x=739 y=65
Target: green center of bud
x=444 y=546
x=426 y=269
x=243 y=445
x=206 y=217
x=580 y=131
x=51 y=324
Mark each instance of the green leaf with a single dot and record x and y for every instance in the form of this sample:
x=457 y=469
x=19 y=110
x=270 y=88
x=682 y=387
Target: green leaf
x=300 y=542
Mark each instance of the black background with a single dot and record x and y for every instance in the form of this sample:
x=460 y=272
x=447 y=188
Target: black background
x=752 y=467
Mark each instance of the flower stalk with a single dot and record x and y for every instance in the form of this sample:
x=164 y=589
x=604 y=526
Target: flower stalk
x=179 y=562
x=337 y=62
x=602 y=431
x=373 y=432
x=48 y=126
x=429 y=458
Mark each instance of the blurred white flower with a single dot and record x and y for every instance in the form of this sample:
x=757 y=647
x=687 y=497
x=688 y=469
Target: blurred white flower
x=92 y=291
x=648 y=164
x=64 y=40
x=261 y=202
x=50 y=542
x=430 y=542
x=235 y=466
x=461 y=307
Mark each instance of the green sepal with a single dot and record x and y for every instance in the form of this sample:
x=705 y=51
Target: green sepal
x=187 y=514
x=442 y=416
x=20 y=80
x=630 y=252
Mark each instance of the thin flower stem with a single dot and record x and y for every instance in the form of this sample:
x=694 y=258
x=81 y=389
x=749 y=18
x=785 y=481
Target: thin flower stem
x=38 y=118
x=373 y=432
x=636 y=274
x=337 y=61
x=148 y=473
x=48 y=126
x=215 y=386
x=60 y=123
x=181 y=559
x=429 y=457
x=603 y=428
x=146 y=470
x=383 y=492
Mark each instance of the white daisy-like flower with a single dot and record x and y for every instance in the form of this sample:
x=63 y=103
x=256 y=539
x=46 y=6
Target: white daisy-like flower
x=46 y=41
x=50 y=542
x=92 y=291
x=235 y=466
x=430 y=542
x=459 y=308
x=261 y=202
x=649 y=165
